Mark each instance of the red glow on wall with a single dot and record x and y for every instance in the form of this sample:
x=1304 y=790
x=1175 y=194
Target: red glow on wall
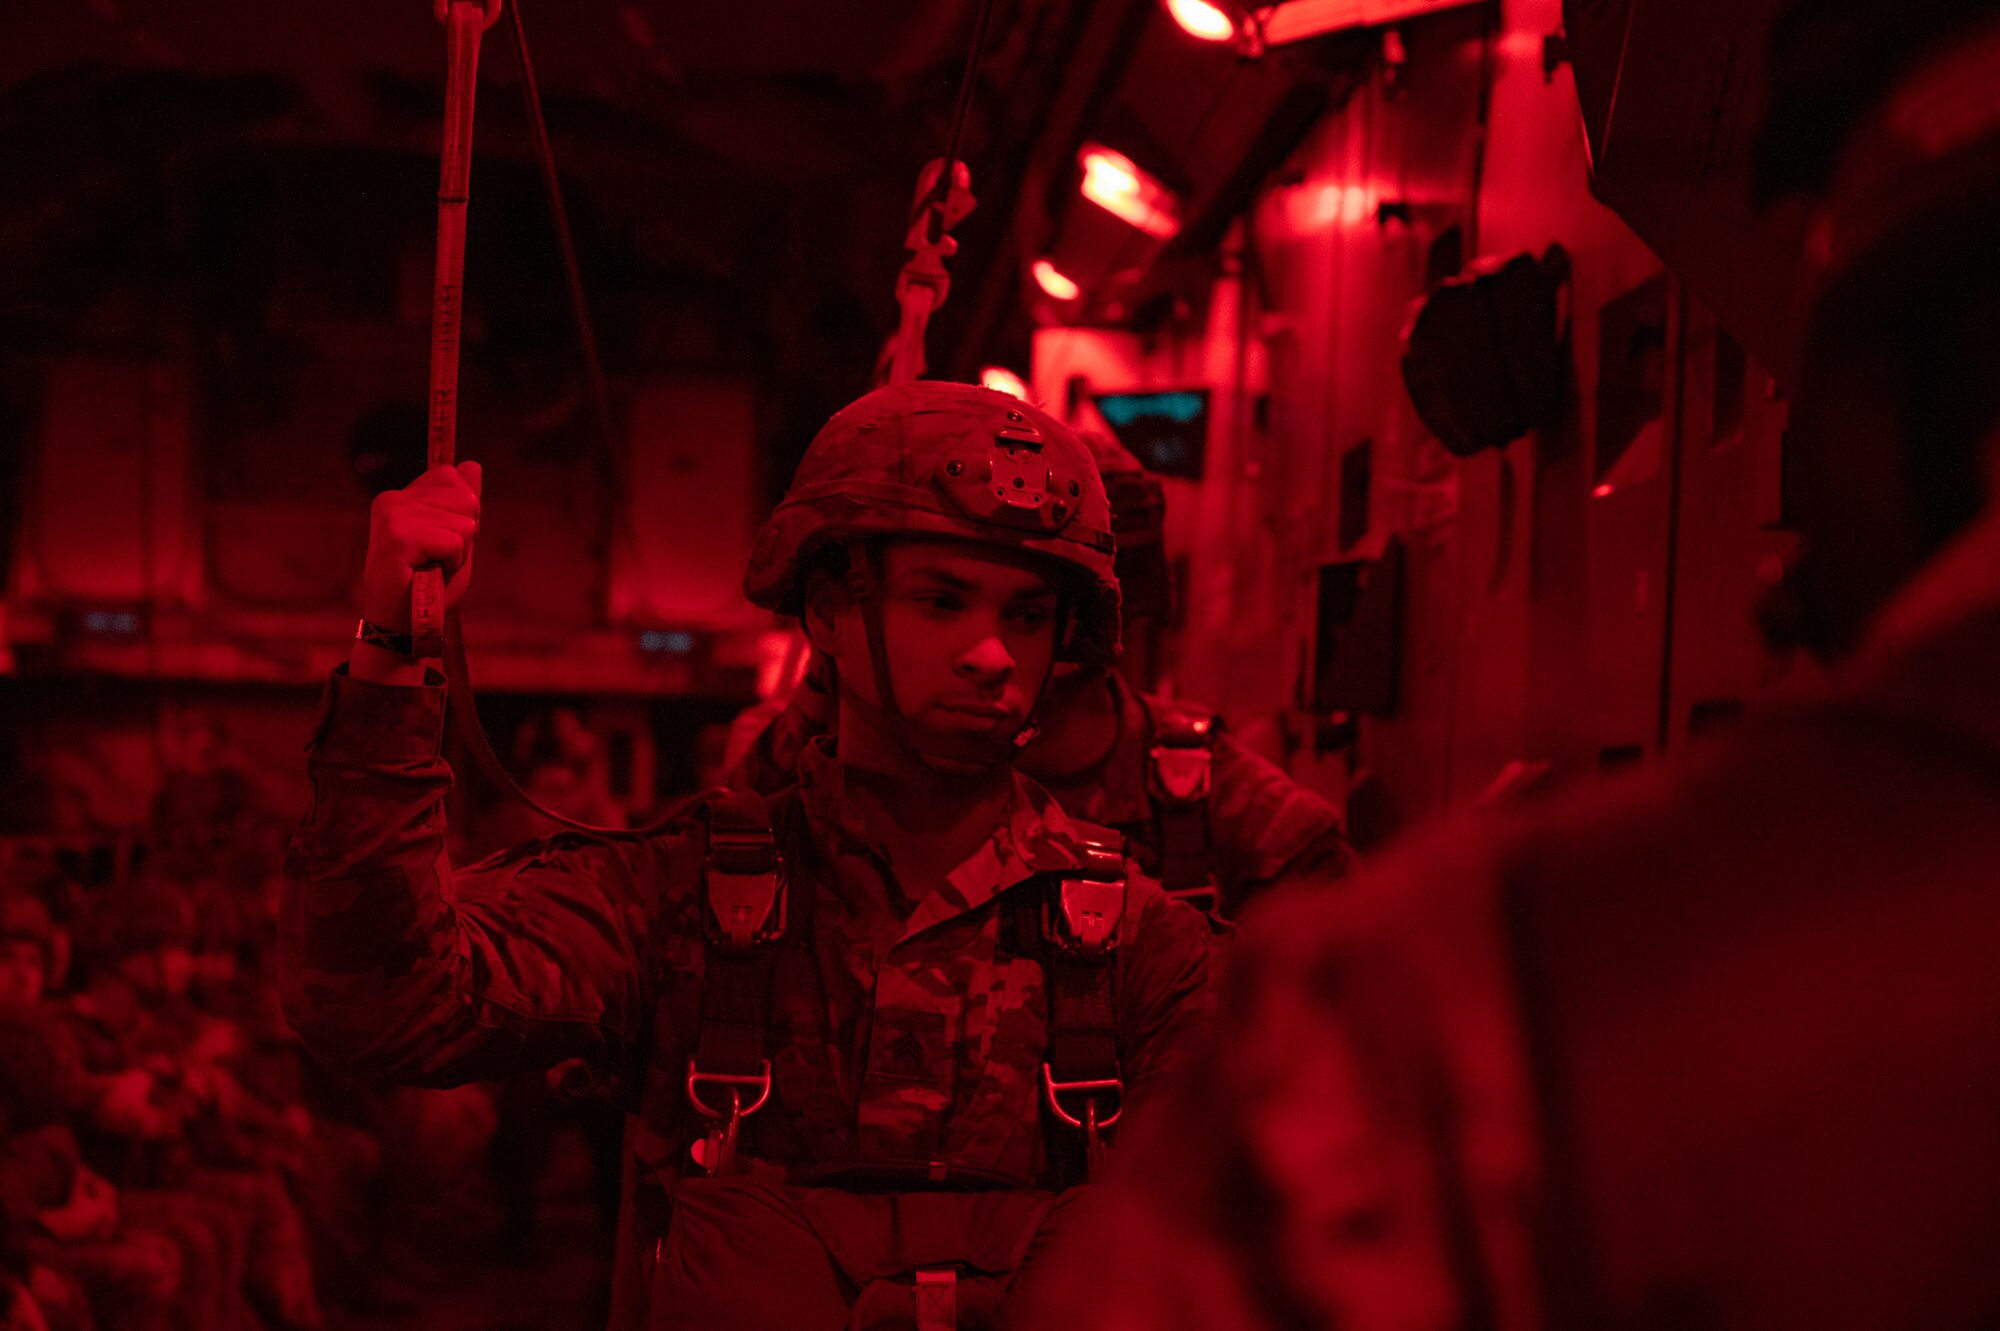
x=1202 y=20
x=1115 y=184
x=1053 y=281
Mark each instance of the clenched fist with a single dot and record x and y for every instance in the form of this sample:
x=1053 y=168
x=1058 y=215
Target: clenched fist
x=432 y=520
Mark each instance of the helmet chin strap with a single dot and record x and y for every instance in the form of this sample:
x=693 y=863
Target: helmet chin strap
x=864 y=588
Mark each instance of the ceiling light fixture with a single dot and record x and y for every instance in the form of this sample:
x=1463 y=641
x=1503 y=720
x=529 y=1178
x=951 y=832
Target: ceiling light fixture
x=1115 y=184
x=1202 y=20
x=1053 y=281
x=1296 y=20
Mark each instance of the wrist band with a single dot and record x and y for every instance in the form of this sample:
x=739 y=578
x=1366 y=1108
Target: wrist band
x=377 y=636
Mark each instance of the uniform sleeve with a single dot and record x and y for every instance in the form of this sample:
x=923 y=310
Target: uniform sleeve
x=1269 y=829
x=1163 y=1001
x=396 y=967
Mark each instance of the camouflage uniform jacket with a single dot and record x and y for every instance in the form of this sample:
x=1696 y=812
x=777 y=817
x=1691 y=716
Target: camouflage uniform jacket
x=906 y=1031
x=1263 y=826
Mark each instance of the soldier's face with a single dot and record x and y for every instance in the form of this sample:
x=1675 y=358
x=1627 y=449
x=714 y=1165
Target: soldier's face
x=21 y=974
x=164 y=972
x=971 y=634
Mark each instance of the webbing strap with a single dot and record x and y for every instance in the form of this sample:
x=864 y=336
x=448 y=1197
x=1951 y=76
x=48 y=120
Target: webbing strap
x=736 y=986
x=1177 y=785
x=464 y=21
x=1187 y=851
x=434 y=631
x=1083 y=1018
x=735 y=1015
x=1082 y=1071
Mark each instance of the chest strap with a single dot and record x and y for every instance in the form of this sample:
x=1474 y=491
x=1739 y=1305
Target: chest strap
x=1179 y=779
x=744 y=914
x=1072 y=923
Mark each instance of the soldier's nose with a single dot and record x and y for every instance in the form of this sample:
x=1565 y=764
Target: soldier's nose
x=988 y=660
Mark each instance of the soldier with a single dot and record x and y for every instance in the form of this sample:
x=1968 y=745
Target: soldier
x=871 y=1028
x=1716 y=1048
x=1215 y=823
x=52 y=1205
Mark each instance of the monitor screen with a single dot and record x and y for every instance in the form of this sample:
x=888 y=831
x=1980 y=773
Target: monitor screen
x=1167 y=431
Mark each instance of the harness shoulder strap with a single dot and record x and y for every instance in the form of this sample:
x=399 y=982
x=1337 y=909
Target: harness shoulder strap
x=1179 y=779
x=745 y=911
x=1070 y=922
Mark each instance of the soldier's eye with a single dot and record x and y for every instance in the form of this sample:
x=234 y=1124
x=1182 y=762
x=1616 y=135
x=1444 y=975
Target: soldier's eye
x=1030 y=616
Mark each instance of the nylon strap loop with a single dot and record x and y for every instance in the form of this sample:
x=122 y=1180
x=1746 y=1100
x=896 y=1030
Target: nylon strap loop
x=1082 y=1084
x=465 y=21
x=1178 y=783
x=729 y=1076
x=434 y=631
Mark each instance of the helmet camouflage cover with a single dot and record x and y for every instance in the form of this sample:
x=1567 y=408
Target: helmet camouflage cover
x=1139 y=522
x=949 y=461
x=1138 y=501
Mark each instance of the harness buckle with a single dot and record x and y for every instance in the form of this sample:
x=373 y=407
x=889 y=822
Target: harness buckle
x=1088 y=1120
x=743 y=881
x=745 y=910
x=1182 y=774
x=1090 y=905
x=717 y=1150
x=1053 y=1092
x=1086 y=916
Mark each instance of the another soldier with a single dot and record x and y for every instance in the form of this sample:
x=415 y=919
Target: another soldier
x=1718 y=1048
x=1213 y=822
x=871 y=1028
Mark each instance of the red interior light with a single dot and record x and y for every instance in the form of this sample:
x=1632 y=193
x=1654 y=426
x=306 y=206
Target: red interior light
x=1053 y=281
x=1113 y=183
x=1202 y=20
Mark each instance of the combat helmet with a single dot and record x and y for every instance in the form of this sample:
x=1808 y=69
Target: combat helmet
x=955 y=462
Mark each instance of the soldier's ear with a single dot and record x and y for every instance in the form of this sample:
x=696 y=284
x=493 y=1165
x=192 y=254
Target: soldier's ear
x=825 y=604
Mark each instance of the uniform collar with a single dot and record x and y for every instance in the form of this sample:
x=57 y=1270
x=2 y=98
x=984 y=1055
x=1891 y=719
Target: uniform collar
x=1033 y=836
